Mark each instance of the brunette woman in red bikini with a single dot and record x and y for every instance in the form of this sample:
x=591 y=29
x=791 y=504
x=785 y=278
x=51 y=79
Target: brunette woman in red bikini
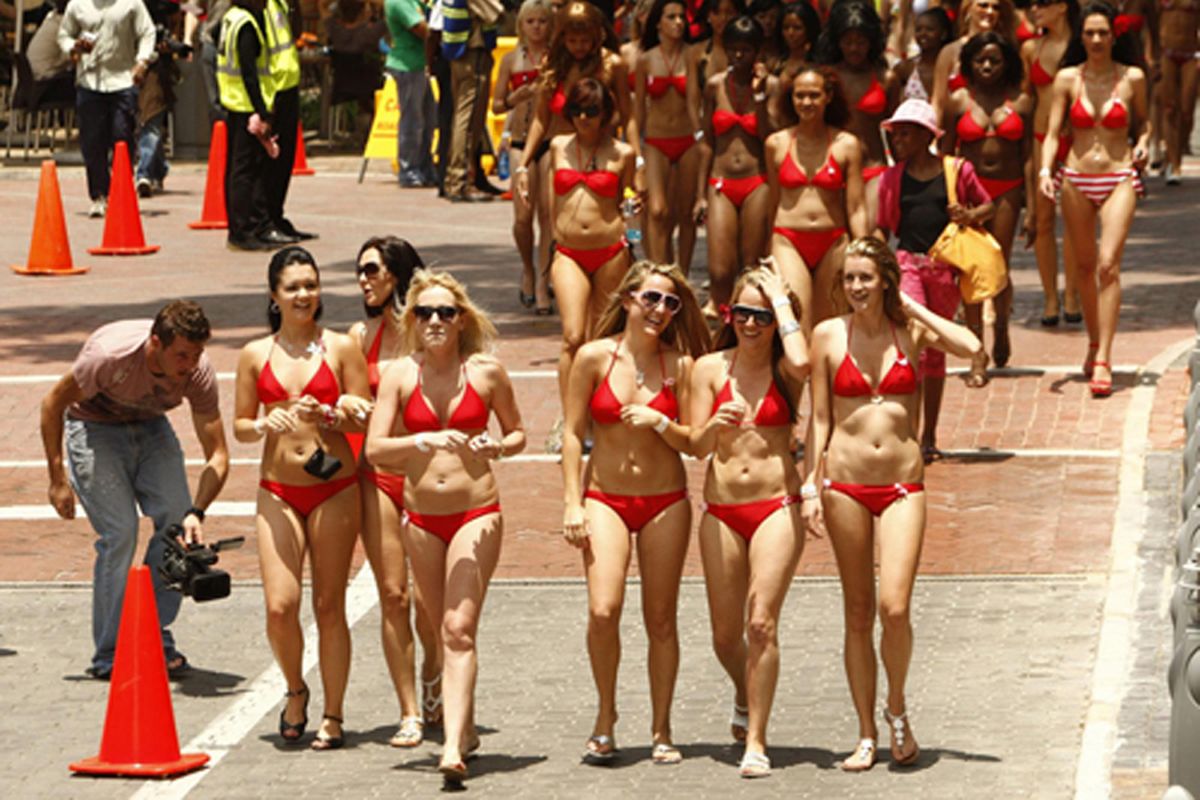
x=453 y=508
x=1041 y=56
x=1103 y=98
x=815 y=172
x=867 y=480
x=852 y=44
x=707 y=58
x=743 y=403
x=591 y=169
x=632 y=384
x=977 y=16
x=516 y=87
x=731 y=187
x=385 y=268
x=670 y=125
x=297 y=376
x=990 y=123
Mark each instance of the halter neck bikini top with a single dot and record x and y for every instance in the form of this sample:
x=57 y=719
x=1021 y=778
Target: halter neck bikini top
x=900 y=378
x=874 y=99
x=322 y=385
x=658 y=85
x=606 y=408
x=1011 y=128
x=600 y=181
x=723 y=121
x=1115 y=118
x=773 y=411
x=829 y=176
x=470 y=415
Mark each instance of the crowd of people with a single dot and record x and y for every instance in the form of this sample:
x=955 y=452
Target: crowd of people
x=802 y=142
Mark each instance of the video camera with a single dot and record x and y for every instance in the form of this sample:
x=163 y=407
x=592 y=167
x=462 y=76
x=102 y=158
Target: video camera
x=189 y=568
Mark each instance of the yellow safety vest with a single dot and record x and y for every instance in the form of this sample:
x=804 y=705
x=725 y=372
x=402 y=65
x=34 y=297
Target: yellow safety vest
x=234 y=96
x=284 y=58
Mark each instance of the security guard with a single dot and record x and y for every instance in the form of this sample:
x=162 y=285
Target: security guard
x=284 y=62
x=248 y=94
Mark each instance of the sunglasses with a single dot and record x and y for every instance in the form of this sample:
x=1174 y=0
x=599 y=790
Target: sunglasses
x=1044 y=3
x=371 y=269
x=650 y=299
x=586 y=112
x=444 y=313
x=761 y=316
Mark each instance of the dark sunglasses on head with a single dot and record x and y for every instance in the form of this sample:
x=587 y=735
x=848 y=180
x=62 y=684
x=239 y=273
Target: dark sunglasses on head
x=761 y=316
x=650 y=298
x=371 y=269
x=445 y=313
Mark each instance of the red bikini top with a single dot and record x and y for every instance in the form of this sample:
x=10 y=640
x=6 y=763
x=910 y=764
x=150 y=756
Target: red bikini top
x=600 y=181
x=1116 y=117
x=470 y=415
x=901 y=378
x=558 y=101
x=955 y=82
x=657 y=85
x=874 y=99
x=373 y=361
x=723 y=121
x=322 y=385
x=830 y=177
x=518 y=79
x=606 y=408
x=773 y=411
x=1025 y=33
x=1011 y=128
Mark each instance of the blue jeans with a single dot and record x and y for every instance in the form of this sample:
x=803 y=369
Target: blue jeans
x=105 y=118
x=115 y=469
x=414 y=141
x=152 y=158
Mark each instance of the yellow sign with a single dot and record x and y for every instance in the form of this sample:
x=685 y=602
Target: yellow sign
x=385 y=128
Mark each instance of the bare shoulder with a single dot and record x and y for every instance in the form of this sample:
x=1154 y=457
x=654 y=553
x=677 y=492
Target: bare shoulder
x=487 y=365
x=257 y=349
x=829 y=332
x=1135 y=75
x=624 y=149
x=709 y=366
x=1066 y=77
x=595 y=352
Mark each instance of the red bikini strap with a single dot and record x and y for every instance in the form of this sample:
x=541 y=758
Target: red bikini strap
x=662 y=365
x=612 y=363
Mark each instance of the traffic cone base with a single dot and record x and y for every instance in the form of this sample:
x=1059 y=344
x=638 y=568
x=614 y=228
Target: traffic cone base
x=207 y=225
x=212 y=215
x=186 y=762
x=145 y=249
x=123 y=234
x=49 y=250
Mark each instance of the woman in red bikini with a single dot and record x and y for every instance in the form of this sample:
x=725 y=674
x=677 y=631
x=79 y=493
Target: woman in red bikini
x=297 y=376
x=977 y=16
x=866 y=407
x=670 y=124
x=1178 y=26
x=1102 y=97
x=815 y=172
x=1057 y=19
x=852 y=45
x=799 y=29
x=453 y=508
x=632 y=384
x=990 y=123
x=385 y=268
x=516 y=86
x=591 y=170
x=743 y=408
x=707 y=58
x=731 y=187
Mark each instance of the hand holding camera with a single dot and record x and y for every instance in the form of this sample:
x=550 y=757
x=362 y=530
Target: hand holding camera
x=188 y=568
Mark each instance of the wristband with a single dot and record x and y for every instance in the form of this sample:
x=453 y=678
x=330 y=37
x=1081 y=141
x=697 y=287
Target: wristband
x=422 y=443
x=507 y=134
x=639 y=162
x=328 y=416
x=698 y=135
x=1044 y=172
x=788 y=328
x=260 y=426
x=783 y=301
x=760 y=97
x=663 y=423
x=521 y=170
x=808 y=492
x=196 y=512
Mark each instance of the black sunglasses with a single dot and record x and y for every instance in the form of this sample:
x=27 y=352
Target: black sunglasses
x=371 y=269
x=445 y=313
x=650 y=298
x=585 y=112
x=1045 y=3
x=761 y=316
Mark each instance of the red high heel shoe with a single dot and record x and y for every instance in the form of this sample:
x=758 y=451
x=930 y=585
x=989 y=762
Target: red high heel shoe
x=1100 y=387
x=1089 y=361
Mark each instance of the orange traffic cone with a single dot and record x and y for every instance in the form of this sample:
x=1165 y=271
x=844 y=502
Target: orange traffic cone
x=139 y=728
x=49 y=252
x=212 y=217
x=123 y=223
x=300 y=164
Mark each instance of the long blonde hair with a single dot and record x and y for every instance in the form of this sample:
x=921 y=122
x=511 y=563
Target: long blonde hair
x=478 y=332
x=686 y=330
x=530 y=7
x=885 y=261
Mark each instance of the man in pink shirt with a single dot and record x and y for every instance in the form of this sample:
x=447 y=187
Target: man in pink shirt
x=124 y=455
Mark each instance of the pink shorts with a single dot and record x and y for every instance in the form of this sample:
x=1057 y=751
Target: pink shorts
x=935 y=286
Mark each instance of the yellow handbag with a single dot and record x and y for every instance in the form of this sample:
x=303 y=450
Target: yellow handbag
x=974 y=252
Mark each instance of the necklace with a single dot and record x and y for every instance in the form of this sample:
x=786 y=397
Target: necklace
x=312 y=348
x=590 y=164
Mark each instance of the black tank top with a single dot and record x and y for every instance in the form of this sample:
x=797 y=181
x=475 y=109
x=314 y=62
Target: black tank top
x=923 y=214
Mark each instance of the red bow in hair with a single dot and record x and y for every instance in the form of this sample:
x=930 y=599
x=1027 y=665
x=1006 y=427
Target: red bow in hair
x=1124 y=23
x=726 y=313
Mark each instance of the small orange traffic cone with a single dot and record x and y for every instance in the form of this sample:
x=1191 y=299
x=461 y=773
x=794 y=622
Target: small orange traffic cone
x=49 y=252
x=123 y=223
x=212 y=217
x=300 y=164
x=139 y=729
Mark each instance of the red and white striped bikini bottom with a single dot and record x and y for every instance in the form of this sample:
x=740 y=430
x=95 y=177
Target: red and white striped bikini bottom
x=1097 y=186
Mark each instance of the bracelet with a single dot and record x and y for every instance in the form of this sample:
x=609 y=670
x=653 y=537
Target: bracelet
x=760 y=97
x=698 y=135
x=663 y=423
x=783 y=301
x=328 y=416
x=260 y=425
x=788 y=328
x=639 y=163
x=422 y=443
x=521 y=170
x=808 y=492
x=1044 y=172
x=195 y=511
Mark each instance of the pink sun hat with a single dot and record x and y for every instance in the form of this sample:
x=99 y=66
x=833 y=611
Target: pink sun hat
x=915 y=112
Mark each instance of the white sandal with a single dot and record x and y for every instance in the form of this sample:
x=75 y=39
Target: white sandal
x=755 y=765
x=866 y=751
x=410 y=734
x=431 y=703
x=739 y=723
x=901 y=730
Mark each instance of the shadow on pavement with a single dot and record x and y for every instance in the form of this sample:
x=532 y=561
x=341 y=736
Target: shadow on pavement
x=932 y=755
x=200 y=682
x=382 y=734
x=4 y=651
x=486 y=764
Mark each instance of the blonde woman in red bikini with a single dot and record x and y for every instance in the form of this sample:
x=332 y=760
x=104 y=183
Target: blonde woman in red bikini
x=1102 y=98
x=867 y=482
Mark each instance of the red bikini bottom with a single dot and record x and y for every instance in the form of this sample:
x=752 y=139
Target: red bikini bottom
x=593 y=259
x=637 y=510
x=875 y=499
x=1064 y=146
x=745 y=518
x=870 y=173
x=673 y=147
x=305 y=499
x=389 y=484
x=998 y=187
x=444 y=526
x=737 y=189
x=812 y=245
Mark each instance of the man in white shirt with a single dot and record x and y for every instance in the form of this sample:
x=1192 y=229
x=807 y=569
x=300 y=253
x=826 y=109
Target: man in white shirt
x=111 y=42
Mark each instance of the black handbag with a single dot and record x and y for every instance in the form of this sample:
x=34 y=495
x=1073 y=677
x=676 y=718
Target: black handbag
x=322 y=465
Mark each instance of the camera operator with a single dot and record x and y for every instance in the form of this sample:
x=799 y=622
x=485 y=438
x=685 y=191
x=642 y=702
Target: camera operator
x=157 y=96
x=123 y=454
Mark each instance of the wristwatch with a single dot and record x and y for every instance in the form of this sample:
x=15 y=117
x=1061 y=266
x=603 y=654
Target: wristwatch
x=196 y=512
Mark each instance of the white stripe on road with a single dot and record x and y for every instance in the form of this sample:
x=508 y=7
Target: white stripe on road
x=242 y=715
x=522 y=458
